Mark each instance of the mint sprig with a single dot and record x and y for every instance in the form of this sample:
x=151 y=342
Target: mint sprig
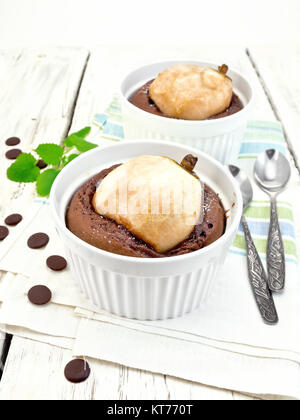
x=77 y=140
x=45 y=180
x=80 y=144
x=24 y=168
x=50 y=153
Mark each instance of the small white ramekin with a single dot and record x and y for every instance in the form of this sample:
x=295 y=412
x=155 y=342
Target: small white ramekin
x=220 y=138
x=144 y=288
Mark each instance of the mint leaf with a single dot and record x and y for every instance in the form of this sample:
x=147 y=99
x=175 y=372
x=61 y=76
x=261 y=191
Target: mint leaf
x=45 y=181
x=68 y=159
x=72 y=157
x=50 y=153
x=23 y=169
x=83 y=133
x=80 y=144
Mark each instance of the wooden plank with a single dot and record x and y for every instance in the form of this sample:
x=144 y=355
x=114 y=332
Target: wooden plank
x=38 y=91
x=279 y=69
x=35 y=371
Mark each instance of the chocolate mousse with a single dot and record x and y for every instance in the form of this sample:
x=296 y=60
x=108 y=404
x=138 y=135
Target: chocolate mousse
x=189 y=92
x=105 y=233
x=142 y=100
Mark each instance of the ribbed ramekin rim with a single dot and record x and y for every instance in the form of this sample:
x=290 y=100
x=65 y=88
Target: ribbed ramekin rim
x=150 y=261
x=177 y=122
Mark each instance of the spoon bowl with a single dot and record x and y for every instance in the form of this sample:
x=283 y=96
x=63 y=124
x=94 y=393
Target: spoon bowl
x=272 y=171
x=244 y=183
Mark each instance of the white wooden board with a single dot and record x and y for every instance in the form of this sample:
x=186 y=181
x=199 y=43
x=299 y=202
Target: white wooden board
x=36 y=371
x=279 y=69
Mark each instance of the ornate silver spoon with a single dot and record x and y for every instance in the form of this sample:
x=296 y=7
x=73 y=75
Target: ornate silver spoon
x=272 y=172
x=256 y=271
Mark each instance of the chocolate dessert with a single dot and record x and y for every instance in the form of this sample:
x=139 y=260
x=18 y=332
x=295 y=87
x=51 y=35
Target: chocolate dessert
x=105 y=233
x=141 y=99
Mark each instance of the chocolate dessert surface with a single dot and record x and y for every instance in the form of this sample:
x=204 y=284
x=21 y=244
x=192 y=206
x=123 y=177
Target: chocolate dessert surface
x=141 y=99
x=104 y=233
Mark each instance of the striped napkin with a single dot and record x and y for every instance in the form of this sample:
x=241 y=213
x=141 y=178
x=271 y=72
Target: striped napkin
x=260 y=136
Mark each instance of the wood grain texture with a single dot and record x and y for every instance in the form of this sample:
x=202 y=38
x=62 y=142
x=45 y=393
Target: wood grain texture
x=39 y=88
x=38 y=92
x=279 y=69
x=35 y=370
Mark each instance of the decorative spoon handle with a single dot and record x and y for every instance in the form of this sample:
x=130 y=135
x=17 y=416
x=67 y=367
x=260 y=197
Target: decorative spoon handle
x=275 y=252
x=258 y=280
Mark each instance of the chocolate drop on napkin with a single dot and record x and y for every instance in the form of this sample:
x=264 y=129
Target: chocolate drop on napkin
x=56 y=263
x=38 y=240
x=3 y=232
x=39 y=295
x=13 y=219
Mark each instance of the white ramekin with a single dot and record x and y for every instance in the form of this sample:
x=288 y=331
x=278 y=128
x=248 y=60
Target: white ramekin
x=220 y=138
x=144 y=288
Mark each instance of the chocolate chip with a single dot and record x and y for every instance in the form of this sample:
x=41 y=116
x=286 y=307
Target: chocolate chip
x=41 y=164
x=56 y=263
x=39 y=295
x=210 y=225
x=13 y=141
x=77 y=371
x=3 y=232
x=13 y=219
x=38 y=240
x=13 y=154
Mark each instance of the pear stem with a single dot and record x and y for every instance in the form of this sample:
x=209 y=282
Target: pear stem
x=223 y=69
x=189 y=162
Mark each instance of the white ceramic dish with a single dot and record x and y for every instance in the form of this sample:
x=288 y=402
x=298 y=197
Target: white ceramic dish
x=142 y=288
x=220 y=138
